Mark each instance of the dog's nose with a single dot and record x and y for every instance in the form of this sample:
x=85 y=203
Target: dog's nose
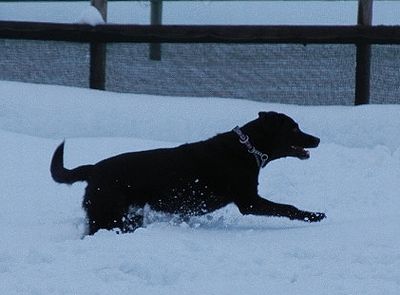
x=316 y=141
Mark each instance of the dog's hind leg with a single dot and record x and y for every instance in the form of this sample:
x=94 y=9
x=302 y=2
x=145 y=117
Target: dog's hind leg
x=100 y=218
x=104 y=210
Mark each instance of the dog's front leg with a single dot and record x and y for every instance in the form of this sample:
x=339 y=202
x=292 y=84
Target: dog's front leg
x=260 y=206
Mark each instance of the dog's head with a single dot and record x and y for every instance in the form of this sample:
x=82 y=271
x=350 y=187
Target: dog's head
x=279 y=136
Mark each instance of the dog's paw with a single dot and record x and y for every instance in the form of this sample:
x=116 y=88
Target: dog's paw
x=314 y=216
x=306 y=216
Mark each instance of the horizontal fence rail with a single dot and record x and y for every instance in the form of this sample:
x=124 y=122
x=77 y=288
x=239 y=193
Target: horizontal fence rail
x=110 y=33
x=359 y=35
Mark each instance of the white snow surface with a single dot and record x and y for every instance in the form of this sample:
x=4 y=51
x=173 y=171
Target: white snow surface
x=91 y=16
x=353 y=176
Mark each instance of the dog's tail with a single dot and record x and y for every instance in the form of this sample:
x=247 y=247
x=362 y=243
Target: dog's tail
x=61 y=174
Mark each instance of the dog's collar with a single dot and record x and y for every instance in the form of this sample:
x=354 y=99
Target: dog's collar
x=260 y=157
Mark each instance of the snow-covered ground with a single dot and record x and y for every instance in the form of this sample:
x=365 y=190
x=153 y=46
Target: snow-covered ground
x=353 y=176
x=209 y=12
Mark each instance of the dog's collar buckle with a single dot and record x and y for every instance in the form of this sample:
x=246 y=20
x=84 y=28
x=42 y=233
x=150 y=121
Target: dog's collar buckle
x=260 y=157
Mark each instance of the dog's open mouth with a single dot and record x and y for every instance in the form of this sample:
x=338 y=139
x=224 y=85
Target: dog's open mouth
x=300 y=152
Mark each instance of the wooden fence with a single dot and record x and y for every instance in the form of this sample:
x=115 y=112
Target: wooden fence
x=361 y=35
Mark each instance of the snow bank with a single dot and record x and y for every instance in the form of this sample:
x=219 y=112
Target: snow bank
x=353 y=176
x=56 y=111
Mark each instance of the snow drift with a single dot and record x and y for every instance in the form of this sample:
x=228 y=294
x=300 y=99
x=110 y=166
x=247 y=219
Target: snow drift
x=353 y=176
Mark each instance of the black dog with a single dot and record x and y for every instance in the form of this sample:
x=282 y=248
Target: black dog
x=191 y=179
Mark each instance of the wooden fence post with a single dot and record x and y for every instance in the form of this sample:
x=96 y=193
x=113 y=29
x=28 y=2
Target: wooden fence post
x=155 y=19
x=363 y=56
x=97 y=78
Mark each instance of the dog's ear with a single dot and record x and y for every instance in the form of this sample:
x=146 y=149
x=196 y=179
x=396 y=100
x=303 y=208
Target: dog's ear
x=262 y=115
x=271 y=120
x=267 y=115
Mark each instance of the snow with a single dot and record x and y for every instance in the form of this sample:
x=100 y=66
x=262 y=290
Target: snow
x=353 y=176
x=91 y=16
x=210 y=12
